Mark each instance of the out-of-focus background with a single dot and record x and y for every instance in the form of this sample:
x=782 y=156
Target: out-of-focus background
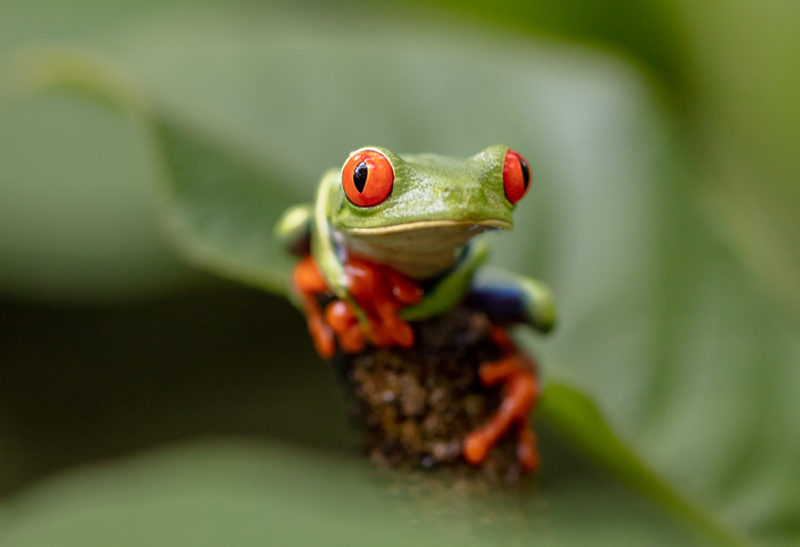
x=144 y=401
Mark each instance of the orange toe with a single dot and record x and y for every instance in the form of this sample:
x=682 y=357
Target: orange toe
x=323 y=338
x=340 y=316
x=403 y=334
x=352 y=340
x=476 y=447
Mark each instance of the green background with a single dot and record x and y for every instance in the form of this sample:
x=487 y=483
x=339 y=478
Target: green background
x=146 y=401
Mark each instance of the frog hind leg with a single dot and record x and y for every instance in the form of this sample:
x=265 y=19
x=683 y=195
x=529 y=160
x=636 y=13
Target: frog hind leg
x=517 y=373
x=308 y=282
x=509 y=299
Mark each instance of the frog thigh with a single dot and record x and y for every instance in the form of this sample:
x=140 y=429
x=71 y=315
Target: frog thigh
x=293 y=229
x=509 y=298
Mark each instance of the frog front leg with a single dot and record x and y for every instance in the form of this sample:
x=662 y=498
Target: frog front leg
x=379 y=291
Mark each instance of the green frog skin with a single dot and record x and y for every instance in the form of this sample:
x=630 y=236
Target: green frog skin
x=392 y=239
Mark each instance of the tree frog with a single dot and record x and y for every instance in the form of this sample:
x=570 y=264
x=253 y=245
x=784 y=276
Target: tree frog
x=393 y=239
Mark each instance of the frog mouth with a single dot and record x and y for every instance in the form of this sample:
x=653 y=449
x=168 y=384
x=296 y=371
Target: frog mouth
x=467 y=225
x=420 y=249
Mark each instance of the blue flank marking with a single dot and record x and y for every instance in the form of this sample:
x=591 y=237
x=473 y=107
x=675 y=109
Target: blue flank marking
x=503 y=304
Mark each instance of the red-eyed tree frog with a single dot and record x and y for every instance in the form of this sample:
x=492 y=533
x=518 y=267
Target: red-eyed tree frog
x=393 y=239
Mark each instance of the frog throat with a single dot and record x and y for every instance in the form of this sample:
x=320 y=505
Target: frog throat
x=420 y=249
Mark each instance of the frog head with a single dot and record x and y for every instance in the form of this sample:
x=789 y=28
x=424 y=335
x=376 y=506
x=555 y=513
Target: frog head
x=417 y=212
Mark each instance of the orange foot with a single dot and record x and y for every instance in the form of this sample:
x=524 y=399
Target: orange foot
x=380 y=291
x=520 y=392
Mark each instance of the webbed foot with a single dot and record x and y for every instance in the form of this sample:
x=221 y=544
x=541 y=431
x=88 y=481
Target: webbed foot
x=343 y=321
x=382 y=292
x=520 y=392
x=379 y=291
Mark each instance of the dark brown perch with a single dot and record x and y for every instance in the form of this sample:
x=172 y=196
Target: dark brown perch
x=417 y=405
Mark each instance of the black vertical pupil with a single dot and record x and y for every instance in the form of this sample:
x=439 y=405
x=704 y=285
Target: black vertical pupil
x=360 y=176
x=526 y=174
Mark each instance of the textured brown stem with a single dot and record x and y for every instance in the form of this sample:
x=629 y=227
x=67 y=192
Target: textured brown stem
x=417 y=405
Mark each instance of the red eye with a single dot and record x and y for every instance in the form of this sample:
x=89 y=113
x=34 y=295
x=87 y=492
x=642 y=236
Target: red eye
x=367 y=178
x=516 y=176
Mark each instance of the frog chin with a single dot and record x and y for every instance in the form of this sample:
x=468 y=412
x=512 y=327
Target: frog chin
x=420 y=249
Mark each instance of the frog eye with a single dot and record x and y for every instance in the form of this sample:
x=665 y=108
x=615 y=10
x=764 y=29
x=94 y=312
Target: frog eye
x=516 y=176
x=367 y=178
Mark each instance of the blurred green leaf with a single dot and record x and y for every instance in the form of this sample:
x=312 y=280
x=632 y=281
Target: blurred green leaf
x=745 y=106
x=76 y=218
x=92 y=383
x=207 y=188
x=252 y=494
x=647 y=31
x=221 y=211
x=663 y=325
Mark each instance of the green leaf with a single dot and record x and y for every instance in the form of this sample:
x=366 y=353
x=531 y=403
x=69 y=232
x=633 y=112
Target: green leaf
x=573 y=415
x=76 y=213
x=252 y=494
x=661 y=324
x=147 y=380
x=221 y=211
